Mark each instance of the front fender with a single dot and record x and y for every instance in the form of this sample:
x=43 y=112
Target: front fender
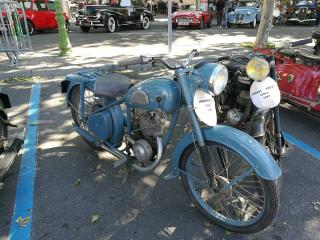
x=258 y=120
x=251 y=150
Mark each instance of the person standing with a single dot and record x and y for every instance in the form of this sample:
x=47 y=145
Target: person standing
x=226 y=8
x=220 y=9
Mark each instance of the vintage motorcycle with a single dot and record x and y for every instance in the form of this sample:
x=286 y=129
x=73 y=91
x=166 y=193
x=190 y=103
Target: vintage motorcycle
x=298 y=74
x=7 y=153
x=236 y=108
x=226 y=173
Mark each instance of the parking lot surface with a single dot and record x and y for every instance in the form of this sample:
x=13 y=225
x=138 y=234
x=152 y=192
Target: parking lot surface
x=73 y=183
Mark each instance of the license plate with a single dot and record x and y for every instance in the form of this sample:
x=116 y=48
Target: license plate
x=183 y=23
x=86 y=24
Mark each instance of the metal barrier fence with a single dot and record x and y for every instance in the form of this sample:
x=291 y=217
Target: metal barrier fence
x=14 y=34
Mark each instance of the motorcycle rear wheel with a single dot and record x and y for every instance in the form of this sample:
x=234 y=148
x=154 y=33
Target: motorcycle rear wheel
x=74 y=99
x=231 y=208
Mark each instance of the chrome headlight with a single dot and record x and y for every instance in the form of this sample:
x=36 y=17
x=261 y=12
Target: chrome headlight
x=218 y=79
x=309 y=12
x=296 y=12
x=257 y=69
x=98 y=15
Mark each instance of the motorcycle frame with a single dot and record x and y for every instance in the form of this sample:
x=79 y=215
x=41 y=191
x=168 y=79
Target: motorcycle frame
x=183 y=83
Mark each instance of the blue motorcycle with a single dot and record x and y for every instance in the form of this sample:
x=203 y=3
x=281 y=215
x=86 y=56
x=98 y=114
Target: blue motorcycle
x=226 y=173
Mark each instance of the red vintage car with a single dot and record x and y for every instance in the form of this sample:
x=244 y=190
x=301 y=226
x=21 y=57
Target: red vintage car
x=194 y=17
x=40 y=15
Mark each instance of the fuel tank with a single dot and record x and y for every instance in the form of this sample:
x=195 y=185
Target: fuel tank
x=155 y=93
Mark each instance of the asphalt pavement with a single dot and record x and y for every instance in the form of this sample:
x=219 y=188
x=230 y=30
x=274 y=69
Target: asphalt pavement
x=73 y=183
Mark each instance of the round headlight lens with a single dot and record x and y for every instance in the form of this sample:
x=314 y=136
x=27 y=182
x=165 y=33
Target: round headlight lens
x=257 y=69
x=98 y=15
x=309 y=12
x=296 y=12
x=218 y=80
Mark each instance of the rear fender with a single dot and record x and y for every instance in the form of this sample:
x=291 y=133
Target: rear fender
x=251 y=150
x=83 y=79
x=258 y=120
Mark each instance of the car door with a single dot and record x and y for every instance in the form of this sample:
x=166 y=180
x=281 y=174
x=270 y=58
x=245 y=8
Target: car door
x=41 y=15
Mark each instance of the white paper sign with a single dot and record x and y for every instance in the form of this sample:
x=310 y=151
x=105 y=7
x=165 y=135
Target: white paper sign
x=265 y=94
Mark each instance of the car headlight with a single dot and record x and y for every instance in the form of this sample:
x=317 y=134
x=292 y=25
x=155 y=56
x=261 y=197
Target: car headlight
x=296 y=12
x=257 y=69
x=197 y=14
x=98 y=15
x=249 y=13
x=309 y=12
x=218 y=79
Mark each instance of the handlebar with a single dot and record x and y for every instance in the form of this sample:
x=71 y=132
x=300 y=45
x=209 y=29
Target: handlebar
x=147 y=59
x=301 y=42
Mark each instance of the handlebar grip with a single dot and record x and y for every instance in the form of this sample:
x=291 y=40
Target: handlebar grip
x=130 y=61
x=301 y=42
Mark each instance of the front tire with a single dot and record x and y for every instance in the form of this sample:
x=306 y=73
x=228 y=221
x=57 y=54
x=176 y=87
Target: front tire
x=111 y=25
x=85 y=29
x=254 y=23
x=30 y=27
x=231 y=208
x=201 y=26
x=145 y=23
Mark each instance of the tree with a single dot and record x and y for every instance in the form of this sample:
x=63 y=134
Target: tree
x=64 y=43
x=265 y=24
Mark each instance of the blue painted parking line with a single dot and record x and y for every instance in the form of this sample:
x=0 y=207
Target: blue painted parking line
x=303 y=146
x=20 y=228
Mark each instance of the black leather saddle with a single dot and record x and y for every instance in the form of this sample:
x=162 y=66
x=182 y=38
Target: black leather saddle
x=308 y=57
x=111 y=85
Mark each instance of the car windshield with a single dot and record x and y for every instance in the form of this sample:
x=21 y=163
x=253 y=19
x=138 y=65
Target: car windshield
x=194 y=7
x=51 y=6
x=247 y=4
x=90 y=10
x=301 y=3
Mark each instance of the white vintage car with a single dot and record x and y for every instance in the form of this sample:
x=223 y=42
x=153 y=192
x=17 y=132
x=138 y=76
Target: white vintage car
x=245 y=12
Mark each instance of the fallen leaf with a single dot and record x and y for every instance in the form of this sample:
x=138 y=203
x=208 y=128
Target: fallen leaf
x=22 y=222
x=316 y=205
x=77 y=182
x=94 y=218
x=98 y=167
x=227 y=232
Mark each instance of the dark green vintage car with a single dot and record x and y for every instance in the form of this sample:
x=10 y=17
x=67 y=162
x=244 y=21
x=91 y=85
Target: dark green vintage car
x=113 y=17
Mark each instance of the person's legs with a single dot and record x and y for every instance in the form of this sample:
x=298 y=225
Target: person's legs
x=219 y=16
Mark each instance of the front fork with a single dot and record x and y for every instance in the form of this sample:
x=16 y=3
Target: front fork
x=206 y=155
x=276 y=113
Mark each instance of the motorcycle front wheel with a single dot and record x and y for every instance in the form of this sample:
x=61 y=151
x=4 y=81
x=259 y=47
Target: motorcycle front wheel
x=247 y=206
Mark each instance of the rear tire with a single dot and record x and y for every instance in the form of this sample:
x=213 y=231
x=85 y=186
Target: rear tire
x=74 y=99
x=145 y=23
x=30 y=27
x=212 y=204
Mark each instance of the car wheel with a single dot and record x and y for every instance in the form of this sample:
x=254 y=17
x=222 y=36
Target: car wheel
x=209 y=24
x=254 y=23
x=85 y=29
x=111 y=25
x=30 y=27
x=67 y=24
x=145 y=23
x=201 y=26
x=174 y=26
x=228 y=25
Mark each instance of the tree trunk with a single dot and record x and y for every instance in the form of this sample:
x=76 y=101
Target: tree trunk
x=64 y=43
x=265 y=24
